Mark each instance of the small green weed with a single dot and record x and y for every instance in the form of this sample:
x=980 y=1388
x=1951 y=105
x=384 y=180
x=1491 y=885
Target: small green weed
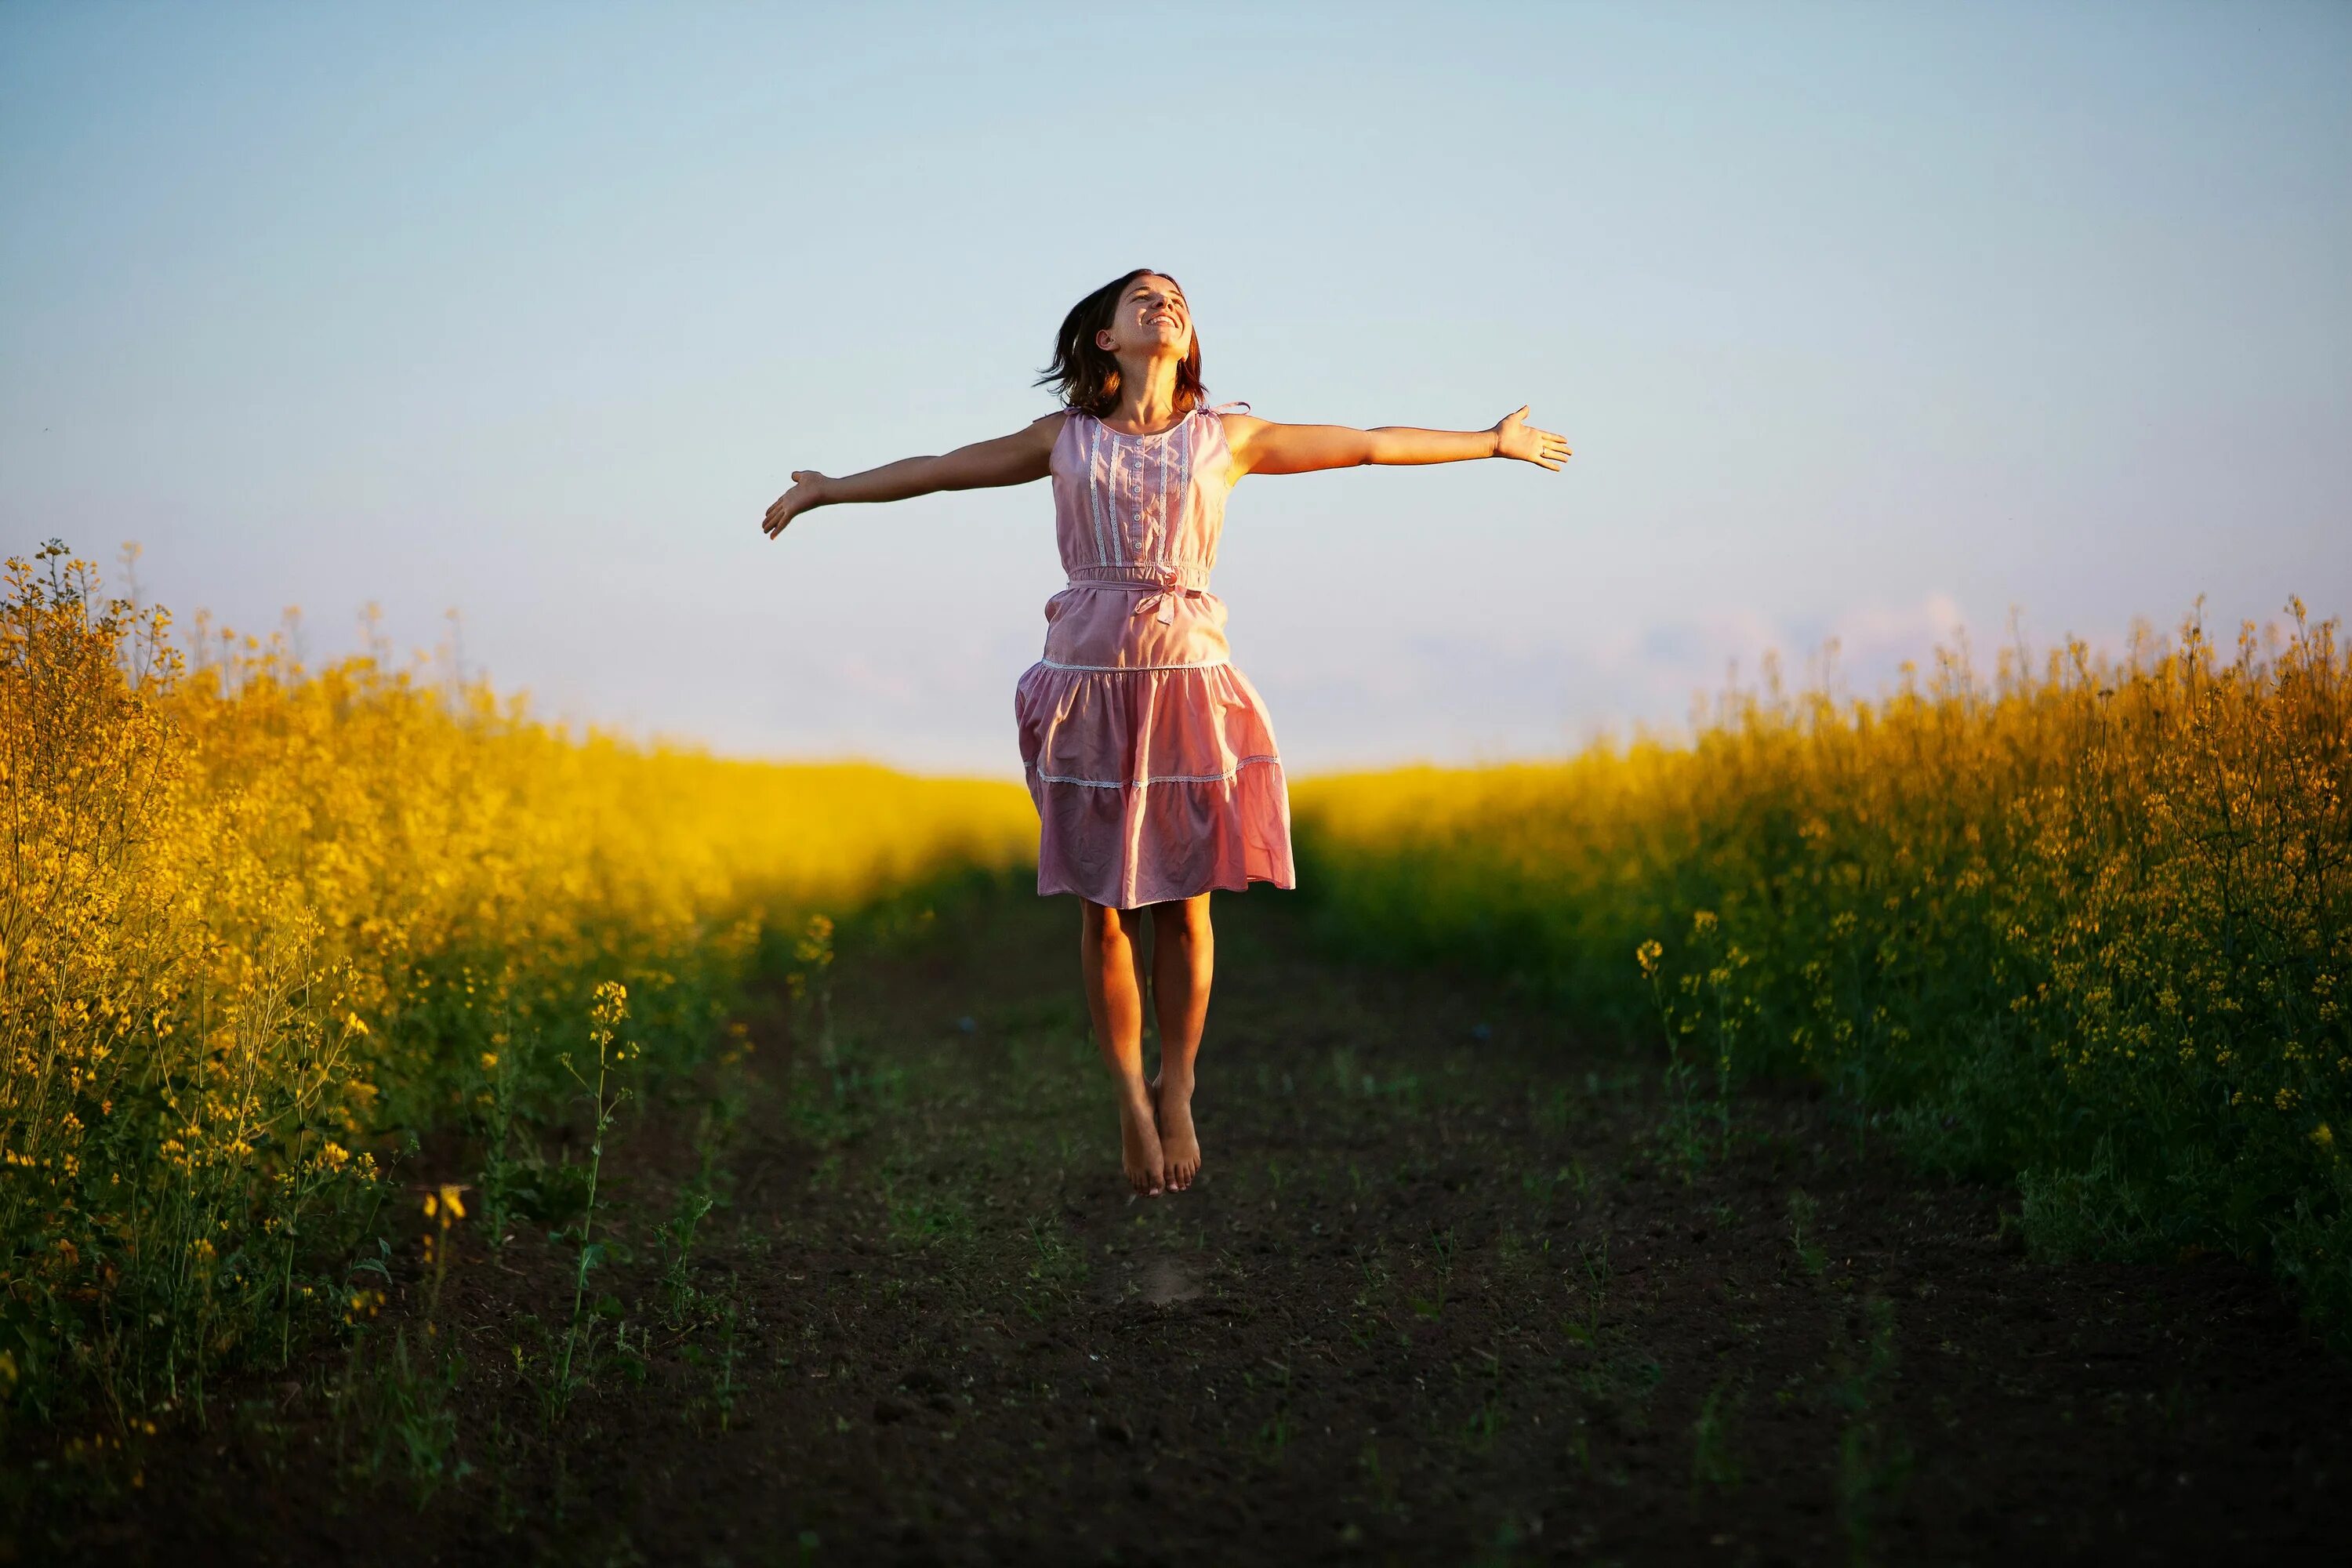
x=1802 y=1211
x=1713 y=1461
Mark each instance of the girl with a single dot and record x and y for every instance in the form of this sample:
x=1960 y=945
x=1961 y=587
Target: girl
x=1151 y=758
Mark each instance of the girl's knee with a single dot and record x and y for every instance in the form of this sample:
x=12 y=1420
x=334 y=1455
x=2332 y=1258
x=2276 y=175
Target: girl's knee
x=1105 y=924
x=1185 y=920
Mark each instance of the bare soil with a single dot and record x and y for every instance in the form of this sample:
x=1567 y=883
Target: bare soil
x=1457 y=1285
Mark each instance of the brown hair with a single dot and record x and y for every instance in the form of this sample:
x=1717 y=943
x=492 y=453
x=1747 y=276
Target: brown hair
x=1086 y=376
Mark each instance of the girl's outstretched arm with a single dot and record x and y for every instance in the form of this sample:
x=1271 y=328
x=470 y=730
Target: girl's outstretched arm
x=1014 y=459
x=1262 y=447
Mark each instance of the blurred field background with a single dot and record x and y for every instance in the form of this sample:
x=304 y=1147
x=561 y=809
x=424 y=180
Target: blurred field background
x=261 y=924
x=2078 y=923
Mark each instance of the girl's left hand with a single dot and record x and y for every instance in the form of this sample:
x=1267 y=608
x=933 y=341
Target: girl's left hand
x=805 y=493
x=1515 y=439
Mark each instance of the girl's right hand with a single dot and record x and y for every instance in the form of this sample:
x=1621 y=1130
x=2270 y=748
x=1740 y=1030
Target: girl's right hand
x=806 y=492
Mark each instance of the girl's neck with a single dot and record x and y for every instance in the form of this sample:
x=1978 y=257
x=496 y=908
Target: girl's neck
x=1147 y=394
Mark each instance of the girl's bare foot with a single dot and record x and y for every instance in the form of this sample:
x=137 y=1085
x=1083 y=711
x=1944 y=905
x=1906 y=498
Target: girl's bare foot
x=1139 y=1144
x=1180 y=1146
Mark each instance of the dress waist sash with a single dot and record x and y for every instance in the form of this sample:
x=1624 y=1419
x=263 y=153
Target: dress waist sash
x=1160 y=585
x=1189 y=575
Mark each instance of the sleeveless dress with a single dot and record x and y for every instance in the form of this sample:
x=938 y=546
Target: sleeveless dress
x=1150 y=757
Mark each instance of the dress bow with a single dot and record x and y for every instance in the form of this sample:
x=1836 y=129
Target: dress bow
x=1163 y=597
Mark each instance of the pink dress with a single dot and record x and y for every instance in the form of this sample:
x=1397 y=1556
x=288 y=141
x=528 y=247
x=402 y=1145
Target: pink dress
x=1150 y=757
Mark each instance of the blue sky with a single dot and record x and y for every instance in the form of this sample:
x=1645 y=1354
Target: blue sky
x=1863 y=321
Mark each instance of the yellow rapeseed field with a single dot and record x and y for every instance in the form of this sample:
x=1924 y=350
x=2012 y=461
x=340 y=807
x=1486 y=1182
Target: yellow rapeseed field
x=2082 y=926
x=256 y=921
x=2087 y=928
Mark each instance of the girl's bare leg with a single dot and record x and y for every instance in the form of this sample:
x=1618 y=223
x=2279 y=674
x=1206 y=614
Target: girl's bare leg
x=1183 y=957
x=1108 y=944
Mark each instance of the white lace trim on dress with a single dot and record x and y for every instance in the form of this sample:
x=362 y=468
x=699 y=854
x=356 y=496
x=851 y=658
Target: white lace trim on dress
x=1138 y=669
x=1164 y=778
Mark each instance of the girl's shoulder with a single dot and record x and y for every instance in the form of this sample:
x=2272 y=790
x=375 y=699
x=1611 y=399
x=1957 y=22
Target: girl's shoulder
x=1232 y=420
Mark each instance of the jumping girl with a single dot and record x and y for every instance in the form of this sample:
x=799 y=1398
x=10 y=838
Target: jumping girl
x=1149 y=756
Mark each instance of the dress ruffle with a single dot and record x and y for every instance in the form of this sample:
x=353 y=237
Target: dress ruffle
x=1152 y=785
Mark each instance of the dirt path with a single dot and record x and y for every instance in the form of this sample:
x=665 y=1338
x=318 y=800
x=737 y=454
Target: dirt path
x=1443 y=1294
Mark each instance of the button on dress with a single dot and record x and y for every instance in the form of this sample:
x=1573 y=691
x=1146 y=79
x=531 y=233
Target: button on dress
x=1149 y=756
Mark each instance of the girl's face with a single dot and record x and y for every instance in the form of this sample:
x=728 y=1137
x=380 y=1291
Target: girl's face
x=1150 y=319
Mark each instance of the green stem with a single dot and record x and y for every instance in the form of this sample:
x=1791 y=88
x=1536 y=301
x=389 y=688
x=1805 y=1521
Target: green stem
x=286 y=1281
x=587 y=1223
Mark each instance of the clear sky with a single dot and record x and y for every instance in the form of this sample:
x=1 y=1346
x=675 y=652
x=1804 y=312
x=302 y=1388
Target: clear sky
x=1863 y=321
